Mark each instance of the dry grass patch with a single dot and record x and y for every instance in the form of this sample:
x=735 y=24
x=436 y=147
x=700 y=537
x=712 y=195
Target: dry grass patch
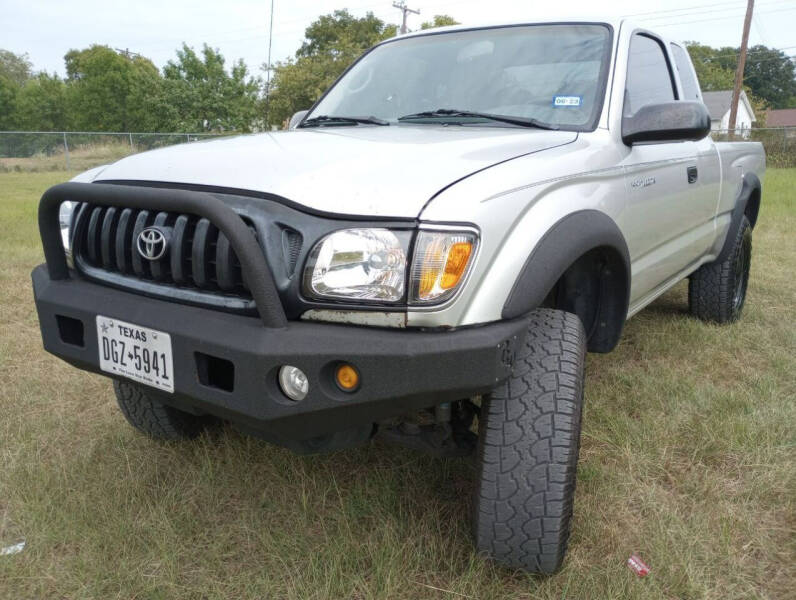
x=688 y=459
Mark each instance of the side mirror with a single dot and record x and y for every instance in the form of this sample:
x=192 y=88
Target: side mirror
x=296 y=118
x=667 y=122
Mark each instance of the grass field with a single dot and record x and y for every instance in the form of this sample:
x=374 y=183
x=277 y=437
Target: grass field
x=688 y=458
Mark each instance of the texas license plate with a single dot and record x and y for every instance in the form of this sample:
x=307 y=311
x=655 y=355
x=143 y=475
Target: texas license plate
x=135 y=352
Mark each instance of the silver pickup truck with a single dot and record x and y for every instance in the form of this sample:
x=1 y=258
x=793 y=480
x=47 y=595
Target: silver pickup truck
x=438 y=241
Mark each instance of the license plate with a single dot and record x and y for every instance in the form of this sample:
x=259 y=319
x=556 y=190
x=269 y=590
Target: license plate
x=135 y=352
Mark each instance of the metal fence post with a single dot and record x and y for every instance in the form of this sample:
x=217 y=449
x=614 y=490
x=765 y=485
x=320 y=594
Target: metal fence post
x=132 y=148
x=187 y=137
x=66 y=153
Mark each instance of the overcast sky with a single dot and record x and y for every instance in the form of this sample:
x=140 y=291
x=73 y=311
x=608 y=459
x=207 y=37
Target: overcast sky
x=47 y=29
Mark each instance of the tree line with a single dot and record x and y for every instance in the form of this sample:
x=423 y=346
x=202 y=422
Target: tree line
x=105 y=90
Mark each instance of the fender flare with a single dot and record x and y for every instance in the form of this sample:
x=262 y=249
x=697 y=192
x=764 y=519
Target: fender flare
x=564 y=243
x=751 y=184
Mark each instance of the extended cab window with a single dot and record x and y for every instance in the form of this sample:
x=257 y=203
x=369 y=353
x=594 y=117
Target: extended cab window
x=649 y=79
x=687 y=77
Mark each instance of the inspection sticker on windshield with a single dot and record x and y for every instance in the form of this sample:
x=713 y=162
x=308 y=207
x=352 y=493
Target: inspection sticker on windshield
x=135 y=352
x=567 y=100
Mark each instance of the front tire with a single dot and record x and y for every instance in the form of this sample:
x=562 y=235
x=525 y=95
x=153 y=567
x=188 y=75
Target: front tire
x=717 y=291
x=528 y=448
x=152 y=417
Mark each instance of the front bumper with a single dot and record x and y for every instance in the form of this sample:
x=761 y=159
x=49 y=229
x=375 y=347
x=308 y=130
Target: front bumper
x=401 y=370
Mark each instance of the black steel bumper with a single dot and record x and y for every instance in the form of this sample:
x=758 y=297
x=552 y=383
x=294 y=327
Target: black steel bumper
x=401 y=370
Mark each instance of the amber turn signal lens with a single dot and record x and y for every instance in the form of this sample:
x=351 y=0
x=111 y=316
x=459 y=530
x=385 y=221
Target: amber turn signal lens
x=440 y=263
x=458 y=255
x=347 y=377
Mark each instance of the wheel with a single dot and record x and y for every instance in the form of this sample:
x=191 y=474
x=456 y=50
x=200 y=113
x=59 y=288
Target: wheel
x=717 y=291
x=154 y=418
x=529 y=435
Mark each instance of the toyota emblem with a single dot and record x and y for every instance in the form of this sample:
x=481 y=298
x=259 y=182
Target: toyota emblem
x=152 y=243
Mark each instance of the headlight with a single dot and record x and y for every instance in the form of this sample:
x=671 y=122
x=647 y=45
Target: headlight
x=359 y=264
x=370 y=265
x=441 y=261
x=65 y=219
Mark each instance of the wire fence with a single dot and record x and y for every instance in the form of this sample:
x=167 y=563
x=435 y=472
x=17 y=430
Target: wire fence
x=779 y=142
x=80 y=150
x=77 y=151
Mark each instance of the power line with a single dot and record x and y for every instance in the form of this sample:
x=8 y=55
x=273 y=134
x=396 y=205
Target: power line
x=696 y=7
x=706 y=12
x=720 y=18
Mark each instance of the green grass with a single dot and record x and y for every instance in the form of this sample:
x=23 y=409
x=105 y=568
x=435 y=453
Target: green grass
x=688 y=458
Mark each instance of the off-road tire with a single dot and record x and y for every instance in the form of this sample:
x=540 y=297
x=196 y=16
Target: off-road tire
x=717 y=291
x=154 y=418
x=529 y=436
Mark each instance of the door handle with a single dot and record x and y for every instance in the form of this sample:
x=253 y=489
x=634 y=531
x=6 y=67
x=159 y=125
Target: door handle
x=693 y=174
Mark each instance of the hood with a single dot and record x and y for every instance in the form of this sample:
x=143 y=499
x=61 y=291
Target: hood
x=365 y=170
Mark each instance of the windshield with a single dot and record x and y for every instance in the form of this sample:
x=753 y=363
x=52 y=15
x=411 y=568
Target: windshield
x=553 y=74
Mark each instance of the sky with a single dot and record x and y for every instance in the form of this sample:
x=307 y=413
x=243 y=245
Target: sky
x=47 y=29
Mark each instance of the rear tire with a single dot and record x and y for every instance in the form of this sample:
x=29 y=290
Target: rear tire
x=154 y=418
x=717 y=291
x=528 y=448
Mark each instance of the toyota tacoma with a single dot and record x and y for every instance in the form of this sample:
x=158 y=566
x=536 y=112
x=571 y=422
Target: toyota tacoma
x=436 y=243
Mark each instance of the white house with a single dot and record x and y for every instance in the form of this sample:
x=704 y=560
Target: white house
x=718 y=104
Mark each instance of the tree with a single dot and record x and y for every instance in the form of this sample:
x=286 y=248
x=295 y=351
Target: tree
x=769 y=74
x=331 y=34
x=107 y=91
x=17 y=68
x=712 y=75
x=41 y=104
x=439 y=21
x=8 y=103
x=205 y=97
x=332 y=43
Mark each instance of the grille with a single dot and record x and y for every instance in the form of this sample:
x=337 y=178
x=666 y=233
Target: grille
x=199 y=256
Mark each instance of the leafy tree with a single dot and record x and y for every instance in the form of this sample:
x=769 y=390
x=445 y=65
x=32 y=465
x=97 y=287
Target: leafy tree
x=16 y=67
x=712 y=75
x=204 y=96
x=339 y=31
x=771 y=76
x=768 y=74
x=332 y=43
x=110 y=92
x=8 y=103
x=41 y=104
x=439 y=21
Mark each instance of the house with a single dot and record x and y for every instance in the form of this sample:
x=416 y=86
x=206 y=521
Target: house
x=718 y=104
x=783 y=117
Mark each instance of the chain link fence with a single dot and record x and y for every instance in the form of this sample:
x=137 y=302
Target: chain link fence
x=77 y=151
x=779 y=142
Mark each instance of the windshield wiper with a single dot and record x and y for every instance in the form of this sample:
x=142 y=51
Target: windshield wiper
x=451 y=112
x=341 y=120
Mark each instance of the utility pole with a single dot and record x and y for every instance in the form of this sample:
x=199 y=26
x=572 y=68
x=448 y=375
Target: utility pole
x=127 y=53
x=736 y=90
x=268 y=72
x=405 y=10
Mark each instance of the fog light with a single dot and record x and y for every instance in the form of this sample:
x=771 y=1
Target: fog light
x=293 y=382
x=347 y=378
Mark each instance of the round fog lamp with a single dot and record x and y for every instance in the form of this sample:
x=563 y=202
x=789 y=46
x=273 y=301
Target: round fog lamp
x=347 y=377
x=293 y=382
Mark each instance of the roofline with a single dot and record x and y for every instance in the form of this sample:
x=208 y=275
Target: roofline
x=615 y=23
